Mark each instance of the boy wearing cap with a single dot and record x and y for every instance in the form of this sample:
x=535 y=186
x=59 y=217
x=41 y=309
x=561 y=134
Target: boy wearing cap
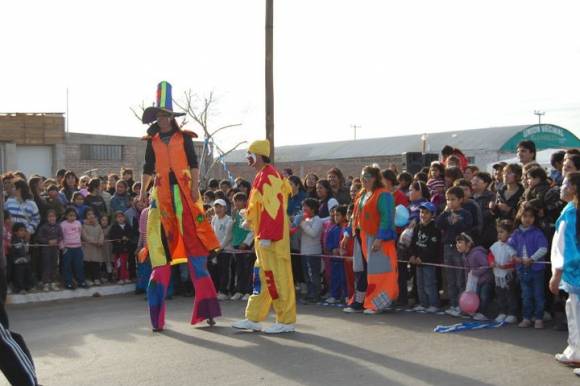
x=425 y=248
x=222 y=225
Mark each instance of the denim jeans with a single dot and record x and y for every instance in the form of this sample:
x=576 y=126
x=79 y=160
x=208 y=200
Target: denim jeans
x=427 y=286
x=455 y=277
x=338 y=279
x=73 y=262
x=533 y=296
x=485 y=293
x=311 y=266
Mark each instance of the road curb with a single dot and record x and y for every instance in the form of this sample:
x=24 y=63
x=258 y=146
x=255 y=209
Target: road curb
x=40 y=297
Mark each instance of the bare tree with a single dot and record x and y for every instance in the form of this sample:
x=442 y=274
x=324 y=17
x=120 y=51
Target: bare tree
x=200 y=116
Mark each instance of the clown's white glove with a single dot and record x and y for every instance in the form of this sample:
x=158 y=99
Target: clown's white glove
x=265 y=243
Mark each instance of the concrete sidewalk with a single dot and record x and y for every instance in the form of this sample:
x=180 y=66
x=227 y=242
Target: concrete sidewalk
x=95 y=291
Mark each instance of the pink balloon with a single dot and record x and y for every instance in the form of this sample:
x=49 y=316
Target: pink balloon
x=469 y=302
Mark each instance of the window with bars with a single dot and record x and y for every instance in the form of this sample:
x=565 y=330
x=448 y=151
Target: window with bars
x=102 y=152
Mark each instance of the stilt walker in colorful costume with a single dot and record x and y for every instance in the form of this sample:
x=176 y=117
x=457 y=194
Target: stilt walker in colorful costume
x=177 y=230
x=267 y=217
x=375 y=255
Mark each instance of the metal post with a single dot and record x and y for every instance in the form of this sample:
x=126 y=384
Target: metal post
x=269 y=72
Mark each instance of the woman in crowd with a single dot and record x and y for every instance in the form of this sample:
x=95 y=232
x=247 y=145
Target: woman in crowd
x=375 y=256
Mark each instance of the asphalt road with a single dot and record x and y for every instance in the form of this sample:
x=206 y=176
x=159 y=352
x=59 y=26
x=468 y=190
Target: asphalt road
x=107 y=341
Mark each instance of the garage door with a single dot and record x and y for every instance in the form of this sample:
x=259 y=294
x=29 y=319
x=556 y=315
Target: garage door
x=34 y=160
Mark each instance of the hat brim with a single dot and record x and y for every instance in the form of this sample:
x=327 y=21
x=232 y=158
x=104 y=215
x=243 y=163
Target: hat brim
x=150 y=114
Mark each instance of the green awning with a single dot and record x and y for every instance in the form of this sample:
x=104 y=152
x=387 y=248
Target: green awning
x=545 y=136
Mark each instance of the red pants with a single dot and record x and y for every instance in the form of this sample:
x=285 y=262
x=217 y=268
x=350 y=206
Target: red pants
x=121 y=265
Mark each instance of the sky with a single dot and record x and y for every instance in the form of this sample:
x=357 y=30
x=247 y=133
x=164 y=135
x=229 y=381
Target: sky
x=390 y=67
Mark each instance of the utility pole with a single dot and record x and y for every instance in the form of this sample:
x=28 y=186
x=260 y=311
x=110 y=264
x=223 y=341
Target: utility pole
x=354 y=126
x=539 y=114
x=269 y=70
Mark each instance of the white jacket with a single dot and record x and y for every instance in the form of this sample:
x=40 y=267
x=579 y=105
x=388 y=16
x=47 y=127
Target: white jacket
x=222 y=228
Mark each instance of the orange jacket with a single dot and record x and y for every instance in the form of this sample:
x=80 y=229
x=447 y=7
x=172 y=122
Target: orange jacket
x=171 y=157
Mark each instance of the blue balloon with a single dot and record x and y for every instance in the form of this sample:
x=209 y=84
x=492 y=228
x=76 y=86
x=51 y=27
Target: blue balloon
x=401 y=216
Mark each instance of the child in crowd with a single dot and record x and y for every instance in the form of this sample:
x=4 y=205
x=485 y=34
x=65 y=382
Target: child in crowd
x=208 y=197
x=453 y=221
x=50 y=234
x=404 y=179
x=418 y=194
x=120 y=201
x=136 y=190
x=338 y=289
x=78 y=204
x=436 y=182
x=21 y=260
x=54 y=202
x=72 y=259
x=93 y=240
x=500 y=258
x=537 y=185
x=311 y=248
x=120 y=234
x=222 y=225
x=242 y=239
x=94 y=200
x=451 y=175
x=470 y=171
x=107 y=248
x=104 y=193
x=471 y=206
x=477 y=266
x=425 y=248
x=531 y=247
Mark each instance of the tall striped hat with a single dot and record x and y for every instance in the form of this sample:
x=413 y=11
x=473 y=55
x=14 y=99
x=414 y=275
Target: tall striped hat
x=164 y=103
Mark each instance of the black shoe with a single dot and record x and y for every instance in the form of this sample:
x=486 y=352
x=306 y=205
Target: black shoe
x=69 y=287
x=84 y=285
x=139 y=291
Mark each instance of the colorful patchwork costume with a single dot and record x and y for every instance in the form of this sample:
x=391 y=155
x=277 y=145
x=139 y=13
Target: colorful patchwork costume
x=267 y=217
x=376 y=280
x=177 y=231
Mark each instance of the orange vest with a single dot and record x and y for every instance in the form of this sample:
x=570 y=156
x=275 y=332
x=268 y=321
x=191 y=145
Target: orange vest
x=368 y=218
x=171 y=157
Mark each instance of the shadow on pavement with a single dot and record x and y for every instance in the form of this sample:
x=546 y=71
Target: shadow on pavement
x=332 y=357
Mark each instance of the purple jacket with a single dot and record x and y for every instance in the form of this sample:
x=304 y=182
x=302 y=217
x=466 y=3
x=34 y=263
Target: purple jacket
x=533 y=239
x=476 y=263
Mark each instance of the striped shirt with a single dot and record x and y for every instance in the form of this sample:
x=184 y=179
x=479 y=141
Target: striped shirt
x=23 y=212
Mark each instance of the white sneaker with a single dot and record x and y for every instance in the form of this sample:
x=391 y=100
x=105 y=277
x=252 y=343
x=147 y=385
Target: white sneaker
x=566 y=360
x=245 y=297
x=279 y=328
x=419 y=308
x=511 y=319
x=576 y=371
x=432 y=310
x=501 y=318
x=97 y=282
x=370 y=311
x=55 y=287
x=453 y=311
x=237 y=296
x=246 y=324
x=46 y=287
x=89 y=282
x=479 y=317
x=222 y=296
x=331 y=300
